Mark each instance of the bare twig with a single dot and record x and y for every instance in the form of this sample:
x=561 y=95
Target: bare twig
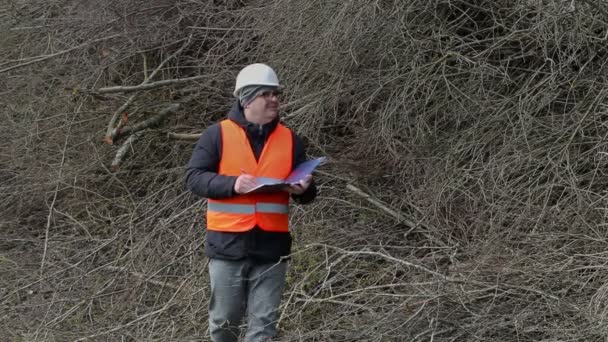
x=86 y=257
x=220 y=28
x=49 y=219
x=37 y=59
x=399 y=216
x=143 y=277
x=385 y=256
x=149 y=314
x=595 y=6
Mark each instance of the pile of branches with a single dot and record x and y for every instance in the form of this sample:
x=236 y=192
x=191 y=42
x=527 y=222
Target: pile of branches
x=464 y=198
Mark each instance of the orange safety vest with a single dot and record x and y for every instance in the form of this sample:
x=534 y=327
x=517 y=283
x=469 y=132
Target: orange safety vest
x=269 y=210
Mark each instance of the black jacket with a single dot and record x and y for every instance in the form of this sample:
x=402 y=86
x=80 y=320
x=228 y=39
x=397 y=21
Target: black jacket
x=203 y=180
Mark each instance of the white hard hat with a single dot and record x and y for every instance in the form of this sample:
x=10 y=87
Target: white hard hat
x=256 y=74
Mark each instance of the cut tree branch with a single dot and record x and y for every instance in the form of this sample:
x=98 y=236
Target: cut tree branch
x=108 y=138
x=117 y=113
x=123 y=151
x=184 y=136
x=135 y=132
x=120 y=132
x=148 y=86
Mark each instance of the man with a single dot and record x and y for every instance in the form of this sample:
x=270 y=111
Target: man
x=247 y=233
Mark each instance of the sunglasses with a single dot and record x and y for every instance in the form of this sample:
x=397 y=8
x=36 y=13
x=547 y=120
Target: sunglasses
x=268 y=94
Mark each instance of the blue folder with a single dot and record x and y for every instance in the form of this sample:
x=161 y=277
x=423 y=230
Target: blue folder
x=299 y=173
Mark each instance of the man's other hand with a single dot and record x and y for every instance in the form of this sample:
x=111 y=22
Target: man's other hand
x=298 y=189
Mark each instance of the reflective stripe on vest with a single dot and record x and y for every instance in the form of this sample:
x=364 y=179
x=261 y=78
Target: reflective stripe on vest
x=259 y=207
x=267 y=210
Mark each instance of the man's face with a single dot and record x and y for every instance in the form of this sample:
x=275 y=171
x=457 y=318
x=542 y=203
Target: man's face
x=265 y=106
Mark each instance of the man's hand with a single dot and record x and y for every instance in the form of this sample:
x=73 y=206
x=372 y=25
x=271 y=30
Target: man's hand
x=298 y=189
x=244 y=183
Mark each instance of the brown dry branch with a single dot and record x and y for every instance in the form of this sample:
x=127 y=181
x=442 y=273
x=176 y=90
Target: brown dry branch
x=474 y=130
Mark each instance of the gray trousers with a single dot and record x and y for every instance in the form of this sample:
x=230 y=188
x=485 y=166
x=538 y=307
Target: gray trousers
x=242 y=287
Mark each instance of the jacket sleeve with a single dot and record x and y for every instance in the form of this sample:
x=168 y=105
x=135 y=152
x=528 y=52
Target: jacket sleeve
x=201 y=173
x=299 y=154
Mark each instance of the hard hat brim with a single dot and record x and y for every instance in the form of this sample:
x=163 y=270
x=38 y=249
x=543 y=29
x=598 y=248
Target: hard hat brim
x=236 y=91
